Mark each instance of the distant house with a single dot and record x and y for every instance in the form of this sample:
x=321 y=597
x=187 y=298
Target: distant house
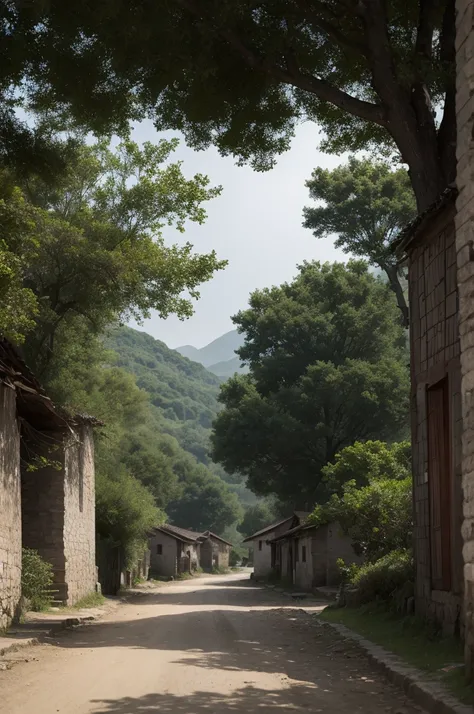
x=215 y=552
x=306 y=555
x=260 y=542
x=47 y=491
x=178 y=550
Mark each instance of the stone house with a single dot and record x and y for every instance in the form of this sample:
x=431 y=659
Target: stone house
x=465 y=278
x=428 y=247
x=46 y=488
x=259 y=542
x=306 y=556
x=215 y=552
x=174 y=550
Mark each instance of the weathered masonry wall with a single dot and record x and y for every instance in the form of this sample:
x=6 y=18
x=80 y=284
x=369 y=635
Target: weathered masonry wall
x=164 y=562
x=79 y=514
x=10 y=504
x=58 y=510
x=434 y=361
x=465 y=263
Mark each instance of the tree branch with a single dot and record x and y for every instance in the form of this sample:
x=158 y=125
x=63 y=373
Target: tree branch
x=296 y=78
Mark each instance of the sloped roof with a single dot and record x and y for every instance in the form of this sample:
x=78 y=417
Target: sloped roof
x=412 y=230
x=180 y=533
x=210 y=534
x=301 y=515
x=33 y=404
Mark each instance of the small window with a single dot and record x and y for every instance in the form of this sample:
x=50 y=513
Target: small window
x=260 y=545
x=159 y=549
x=303 y=554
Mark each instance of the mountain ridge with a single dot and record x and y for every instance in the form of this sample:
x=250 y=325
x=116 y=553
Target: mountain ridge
x=219 y=355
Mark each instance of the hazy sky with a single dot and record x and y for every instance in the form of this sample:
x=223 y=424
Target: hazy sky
x=255 y=224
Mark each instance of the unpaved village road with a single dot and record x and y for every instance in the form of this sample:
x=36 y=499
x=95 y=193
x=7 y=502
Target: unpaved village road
x=211 y=646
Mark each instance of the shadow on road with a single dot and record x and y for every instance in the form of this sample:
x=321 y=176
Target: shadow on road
x=247 y=699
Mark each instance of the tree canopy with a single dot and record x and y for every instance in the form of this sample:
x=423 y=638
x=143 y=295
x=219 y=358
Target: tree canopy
x=328 y=367
x=242 y=74
x=365 y=204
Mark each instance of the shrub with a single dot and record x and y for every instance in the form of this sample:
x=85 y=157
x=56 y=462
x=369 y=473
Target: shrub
x=234 y=558
x=36 y=579
x=384 y=579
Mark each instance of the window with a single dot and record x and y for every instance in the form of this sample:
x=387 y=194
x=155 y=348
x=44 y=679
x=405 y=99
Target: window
x=159 y=549
x=260 y=545
x=439 y=485
x=303 y=554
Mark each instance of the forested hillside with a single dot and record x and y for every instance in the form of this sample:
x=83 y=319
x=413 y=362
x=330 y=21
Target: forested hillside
x=183 y=395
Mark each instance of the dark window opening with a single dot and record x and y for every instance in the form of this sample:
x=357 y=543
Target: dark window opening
x=159 y=549
x=260 y=545
x=439 y=485
x=303 y=554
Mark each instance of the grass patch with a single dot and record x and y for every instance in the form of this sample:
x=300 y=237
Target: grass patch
x=91 y=600
x=416 y=642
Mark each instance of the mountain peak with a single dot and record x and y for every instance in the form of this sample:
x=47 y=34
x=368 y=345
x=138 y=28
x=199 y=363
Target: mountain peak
x=217 y=353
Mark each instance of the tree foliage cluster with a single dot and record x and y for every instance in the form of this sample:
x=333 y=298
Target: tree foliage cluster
x=80 y=252
x=372 y=498
x=328 y=367
x=241 y=75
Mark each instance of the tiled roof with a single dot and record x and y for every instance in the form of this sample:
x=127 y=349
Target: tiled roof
x=413 y=228
x=269 y=528
x=181 y=533
x=210 y=534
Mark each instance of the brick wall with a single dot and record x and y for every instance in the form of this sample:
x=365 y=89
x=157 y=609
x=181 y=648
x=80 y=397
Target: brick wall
x=465 y=263
x=435 y=348
x=79 y=514
x=10 y=515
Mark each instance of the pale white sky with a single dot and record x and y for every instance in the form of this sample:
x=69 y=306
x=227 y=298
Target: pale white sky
x=255 y=224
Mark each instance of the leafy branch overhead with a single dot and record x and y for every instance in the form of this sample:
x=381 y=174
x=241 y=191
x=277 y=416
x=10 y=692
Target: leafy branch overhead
x=365 y=204
x=241 y=74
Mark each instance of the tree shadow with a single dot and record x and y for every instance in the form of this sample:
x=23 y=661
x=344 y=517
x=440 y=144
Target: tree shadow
x=247 y=699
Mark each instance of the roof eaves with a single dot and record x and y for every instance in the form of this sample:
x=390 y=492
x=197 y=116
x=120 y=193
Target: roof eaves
x=412 y=230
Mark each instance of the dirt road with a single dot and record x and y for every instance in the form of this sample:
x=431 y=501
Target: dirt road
x=211 y=646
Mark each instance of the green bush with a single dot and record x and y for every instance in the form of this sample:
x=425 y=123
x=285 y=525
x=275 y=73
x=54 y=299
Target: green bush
x=384 y=579
x=36 y=579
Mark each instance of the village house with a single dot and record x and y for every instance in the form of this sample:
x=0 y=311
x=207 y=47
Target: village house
x=47 y=495
x=259 y=542
x=174 y=551
x=215 y=552
x=428 y=246
x=306 y=556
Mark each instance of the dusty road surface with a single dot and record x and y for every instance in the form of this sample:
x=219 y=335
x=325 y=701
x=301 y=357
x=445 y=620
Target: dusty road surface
x=211 y=646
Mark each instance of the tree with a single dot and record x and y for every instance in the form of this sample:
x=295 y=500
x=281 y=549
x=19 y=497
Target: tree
x=99 y=252
x=206 y=503
x=328 y=366
x=377 y=517
x=255 y=518
x=366 y=205
x=242 y=74
x=364 y=462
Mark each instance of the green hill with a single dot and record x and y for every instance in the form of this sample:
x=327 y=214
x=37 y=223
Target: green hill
x=183 y=395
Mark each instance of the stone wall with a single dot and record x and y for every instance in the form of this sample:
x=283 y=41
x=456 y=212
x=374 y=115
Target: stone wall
x=42 y=507
x=339 y=546
x=58 y=509
x=166 y=562
x=435 y=348
x=465 y=263
x=79 y=514
x=10 y=513
x=214 y=553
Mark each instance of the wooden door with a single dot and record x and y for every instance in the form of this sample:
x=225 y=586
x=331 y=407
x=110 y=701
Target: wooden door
x=439 y=483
